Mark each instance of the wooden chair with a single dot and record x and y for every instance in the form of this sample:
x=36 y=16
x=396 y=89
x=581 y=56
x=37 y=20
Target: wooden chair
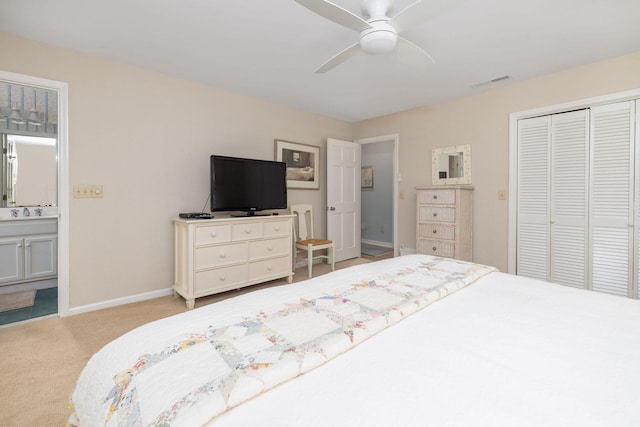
x=304 y=240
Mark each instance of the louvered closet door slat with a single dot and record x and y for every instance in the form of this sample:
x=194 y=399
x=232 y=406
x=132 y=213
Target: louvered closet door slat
x=533 y=198
x=569 y=181
x=612 y=157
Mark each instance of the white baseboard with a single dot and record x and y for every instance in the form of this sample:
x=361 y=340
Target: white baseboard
x=120 y=301
x=377 y=243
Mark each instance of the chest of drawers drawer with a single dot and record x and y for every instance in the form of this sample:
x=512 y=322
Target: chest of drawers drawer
x=436 y=248
x=268 y=248
x=220 y=279
x=437 y=213
x=437 y=197
x=430 y=230
x=275 y=229
x=259 y=270
x=220 y=255
x=211 y=234
x=246 y=231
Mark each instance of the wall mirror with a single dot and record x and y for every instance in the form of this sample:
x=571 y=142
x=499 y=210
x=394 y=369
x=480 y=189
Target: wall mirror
x=28 y=134
x=451 y=165
x=29 y=171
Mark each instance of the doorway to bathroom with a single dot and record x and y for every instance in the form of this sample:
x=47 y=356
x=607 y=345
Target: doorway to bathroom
x=32 y=168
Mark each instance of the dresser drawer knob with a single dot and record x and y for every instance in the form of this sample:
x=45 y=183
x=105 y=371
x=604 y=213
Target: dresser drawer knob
x=435 y=214
x=270 y=248
x=214 y=234
x=434 y=248
x=277 y=228
x=435 y=196
x=247 y=231
x=223 y=255
x=435 y=231
x=222 y=278
x=269 y=268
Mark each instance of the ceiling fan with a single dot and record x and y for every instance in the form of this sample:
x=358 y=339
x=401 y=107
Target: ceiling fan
x=378 y=31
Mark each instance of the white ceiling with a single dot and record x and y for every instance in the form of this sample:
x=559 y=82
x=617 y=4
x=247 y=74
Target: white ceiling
x=270 y=48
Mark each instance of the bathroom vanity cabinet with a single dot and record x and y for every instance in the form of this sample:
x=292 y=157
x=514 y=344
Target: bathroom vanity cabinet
x=28 y=250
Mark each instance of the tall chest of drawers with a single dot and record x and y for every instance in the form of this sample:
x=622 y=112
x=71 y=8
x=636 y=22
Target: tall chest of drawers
x=444 y=221
x=221 y=254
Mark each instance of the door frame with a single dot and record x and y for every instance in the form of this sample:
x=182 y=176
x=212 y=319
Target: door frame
x=62 y=89
x=395 y=138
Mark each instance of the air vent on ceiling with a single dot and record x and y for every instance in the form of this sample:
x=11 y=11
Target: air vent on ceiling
x=490 y=82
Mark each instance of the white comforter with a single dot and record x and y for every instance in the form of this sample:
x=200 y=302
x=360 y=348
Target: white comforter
x=504 y=351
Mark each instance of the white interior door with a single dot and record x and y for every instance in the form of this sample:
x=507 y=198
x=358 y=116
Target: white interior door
x=343 y=197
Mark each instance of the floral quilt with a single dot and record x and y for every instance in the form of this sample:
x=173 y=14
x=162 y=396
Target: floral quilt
x=209 y=368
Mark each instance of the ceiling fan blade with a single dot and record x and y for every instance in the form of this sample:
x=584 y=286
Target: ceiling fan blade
x=339 y=58
x=335 y=13
x=410 y=53
x=420 y=11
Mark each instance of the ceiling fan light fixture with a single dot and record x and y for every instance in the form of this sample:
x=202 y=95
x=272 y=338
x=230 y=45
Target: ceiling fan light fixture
x=377 y=41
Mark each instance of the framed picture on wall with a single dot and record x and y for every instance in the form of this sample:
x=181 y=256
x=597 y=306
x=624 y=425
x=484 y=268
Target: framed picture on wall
x=303 y=164
x=366 y=177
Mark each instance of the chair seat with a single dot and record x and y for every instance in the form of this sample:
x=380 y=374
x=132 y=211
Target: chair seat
x=313 y=242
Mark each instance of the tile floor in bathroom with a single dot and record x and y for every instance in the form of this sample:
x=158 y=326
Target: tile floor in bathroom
x=45 y=303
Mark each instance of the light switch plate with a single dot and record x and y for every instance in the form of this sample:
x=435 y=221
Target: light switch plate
x=87 y=191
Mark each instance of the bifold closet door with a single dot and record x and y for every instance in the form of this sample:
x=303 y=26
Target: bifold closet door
x=532 y=254
x=612 y=198
x=569 y=198
x=552 y=236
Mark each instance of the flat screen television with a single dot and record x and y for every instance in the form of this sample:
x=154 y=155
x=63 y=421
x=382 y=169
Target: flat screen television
x=247 y=185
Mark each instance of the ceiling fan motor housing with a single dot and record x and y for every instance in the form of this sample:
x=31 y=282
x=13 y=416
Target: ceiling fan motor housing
x=381 y=38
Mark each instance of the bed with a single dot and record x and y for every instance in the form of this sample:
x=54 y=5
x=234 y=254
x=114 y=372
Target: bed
x=410 y=341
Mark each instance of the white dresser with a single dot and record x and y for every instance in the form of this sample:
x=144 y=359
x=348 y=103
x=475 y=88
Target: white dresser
x=444 y=221
x=225 y=253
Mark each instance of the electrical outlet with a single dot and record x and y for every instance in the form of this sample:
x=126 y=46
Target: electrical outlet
x=87 y=191
x=502 y=195
x=382 y=229
x=401 y=195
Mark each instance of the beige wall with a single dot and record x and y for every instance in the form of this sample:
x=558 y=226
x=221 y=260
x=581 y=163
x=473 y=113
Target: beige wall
x=482 y=120
x=147 y=139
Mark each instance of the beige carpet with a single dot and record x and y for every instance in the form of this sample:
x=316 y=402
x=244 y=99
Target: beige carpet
x=42 y=359
x=16 y=300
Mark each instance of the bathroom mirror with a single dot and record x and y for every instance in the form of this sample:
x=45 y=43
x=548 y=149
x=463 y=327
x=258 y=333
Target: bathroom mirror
x=28 y=171
x=28 y=133
x=451 y=165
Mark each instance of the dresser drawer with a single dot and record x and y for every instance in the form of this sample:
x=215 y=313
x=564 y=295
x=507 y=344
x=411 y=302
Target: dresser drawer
x=210 y=234
x=437 y=248
x=269 y=248
x=436 y=231
x=437 y=197
x=246 y=231
x=276 y=228
x=215 y=256
x=225 y=277
x=259 y=270
x=437 y=214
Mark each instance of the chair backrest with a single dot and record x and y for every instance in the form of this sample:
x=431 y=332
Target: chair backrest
x=304 y=219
